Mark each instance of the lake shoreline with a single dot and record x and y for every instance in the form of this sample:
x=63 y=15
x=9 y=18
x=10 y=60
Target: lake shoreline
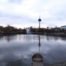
x=47 y=34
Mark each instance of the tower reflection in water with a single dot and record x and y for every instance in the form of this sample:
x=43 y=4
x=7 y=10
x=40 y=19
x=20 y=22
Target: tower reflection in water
x=37 y=59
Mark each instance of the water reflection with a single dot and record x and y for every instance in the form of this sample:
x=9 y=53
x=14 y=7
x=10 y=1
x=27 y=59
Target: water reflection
x=21 y=49
x=37 y=59
x=15 y=63
x=8 y=37
x=29 y=37
x=55 y=38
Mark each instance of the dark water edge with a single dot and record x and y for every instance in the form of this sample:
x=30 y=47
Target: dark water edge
x=56 y=34
x=6 y=34
x=47 y=34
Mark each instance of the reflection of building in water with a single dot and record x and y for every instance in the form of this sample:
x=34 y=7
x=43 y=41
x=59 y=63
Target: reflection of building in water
x=37 y=59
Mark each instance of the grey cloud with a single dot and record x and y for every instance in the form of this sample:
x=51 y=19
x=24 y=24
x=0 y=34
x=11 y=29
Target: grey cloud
x=15 y=1
x=15 y=19
x=55 y=8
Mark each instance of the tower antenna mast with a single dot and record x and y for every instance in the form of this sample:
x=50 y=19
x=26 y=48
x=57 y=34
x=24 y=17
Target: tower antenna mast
x=39 y=20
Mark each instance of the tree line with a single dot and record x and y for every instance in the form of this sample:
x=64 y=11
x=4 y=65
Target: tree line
x=13 y=30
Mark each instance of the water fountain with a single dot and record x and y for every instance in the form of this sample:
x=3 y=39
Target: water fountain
x=28 y=31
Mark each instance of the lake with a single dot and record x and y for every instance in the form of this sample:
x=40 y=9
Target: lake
x=19 y=49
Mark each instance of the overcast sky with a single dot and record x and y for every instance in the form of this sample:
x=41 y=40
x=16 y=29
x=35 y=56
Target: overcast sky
x=24 y=13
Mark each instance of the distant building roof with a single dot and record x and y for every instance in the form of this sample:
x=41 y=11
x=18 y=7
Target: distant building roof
x=63 y=27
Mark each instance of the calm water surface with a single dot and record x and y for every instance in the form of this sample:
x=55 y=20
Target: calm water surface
x=20 y=48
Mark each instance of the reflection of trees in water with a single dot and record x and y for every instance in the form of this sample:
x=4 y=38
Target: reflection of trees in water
x=18 y=63
x=63 y=38
x=1 y=37
x=55 y=38
x=15 y=63
x=52 y=37
x=30 y=37
x=10 y=37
